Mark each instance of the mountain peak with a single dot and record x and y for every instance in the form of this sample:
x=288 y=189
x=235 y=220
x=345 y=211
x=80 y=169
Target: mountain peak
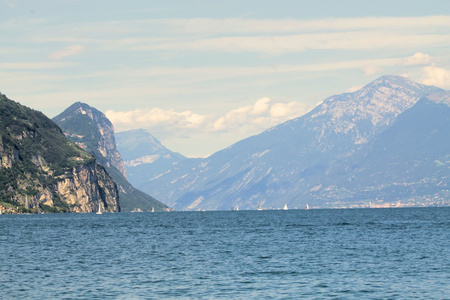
x=93 y=131
x=379 y=102
x=84 y=109
x=395 y=81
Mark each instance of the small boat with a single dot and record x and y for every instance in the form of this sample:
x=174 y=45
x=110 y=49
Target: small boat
x=99 y=212
x=285 y=207
x=259 y=207
x=307 y=207
x=236 y=208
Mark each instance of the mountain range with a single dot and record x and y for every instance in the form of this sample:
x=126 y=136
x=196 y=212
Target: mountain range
x=90 y=129
x=386 y=144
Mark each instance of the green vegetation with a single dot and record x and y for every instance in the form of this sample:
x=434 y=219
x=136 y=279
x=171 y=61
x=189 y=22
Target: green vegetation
x=35 y=153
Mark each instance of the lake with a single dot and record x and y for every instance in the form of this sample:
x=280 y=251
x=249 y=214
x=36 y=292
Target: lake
x=401 y=253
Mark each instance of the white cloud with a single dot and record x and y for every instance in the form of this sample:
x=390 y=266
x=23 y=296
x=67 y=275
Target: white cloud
x=68 y=51
x=436 y=76
x=278 y=44
x=418 y=58
x=261 y=115
x=34 y=65
x=270 y=36
x=245 y=26
x=156 y=117
x=260 y=106
x=372 y=69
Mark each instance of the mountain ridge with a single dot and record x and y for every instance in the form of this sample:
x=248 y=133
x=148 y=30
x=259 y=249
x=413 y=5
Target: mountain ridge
x=287 y=162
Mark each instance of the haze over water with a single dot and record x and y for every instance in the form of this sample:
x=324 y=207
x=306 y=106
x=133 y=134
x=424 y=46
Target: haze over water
x=363 y=253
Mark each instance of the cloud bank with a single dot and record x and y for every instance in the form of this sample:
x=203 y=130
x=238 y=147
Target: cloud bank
x=248 y=120
x=68 y=51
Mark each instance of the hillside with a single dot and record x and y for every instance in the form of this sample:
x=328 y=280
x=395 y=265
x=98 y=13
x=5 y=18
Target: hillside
x=41 y=170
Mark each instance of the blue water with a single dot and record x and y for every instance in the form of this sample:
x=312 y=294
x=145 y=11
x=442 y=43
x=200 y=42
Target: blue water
x=346 y=254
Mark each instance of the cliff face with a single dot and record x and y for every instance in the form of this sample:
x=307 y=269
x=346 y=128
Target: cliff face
x=88 y=187
x=41 y=170
x=91 y=129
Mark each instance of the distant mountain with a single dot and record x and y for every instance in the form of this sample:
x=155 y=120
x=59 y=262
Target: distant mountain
x=144 y=156
x=303 y=160
x=92 y=130
x=42 y=171
x=409 y=160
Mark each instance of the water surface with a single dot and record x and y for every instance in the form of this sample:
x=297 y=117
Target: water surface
x=363 y=253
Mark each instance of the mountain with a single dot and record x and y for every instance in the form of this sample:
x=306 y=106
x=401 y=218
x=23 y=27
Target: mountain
x=409 y=160
x=292 y=162
x=144 y=156
x=91 y=129
x=41 y=170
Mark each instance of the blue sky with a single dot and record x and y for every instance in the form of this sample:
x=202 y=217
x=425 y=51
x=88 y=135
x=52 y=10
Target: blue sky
x=201 y=75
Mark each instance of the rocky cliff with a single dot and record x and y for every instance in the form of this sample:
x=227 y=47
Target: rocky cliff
x=41 y=170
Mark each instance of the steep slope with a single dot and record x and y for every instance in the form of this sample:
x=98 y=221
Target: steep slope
x=92 y=130
x=41 y=170
x=286 y=163
x=144 y=156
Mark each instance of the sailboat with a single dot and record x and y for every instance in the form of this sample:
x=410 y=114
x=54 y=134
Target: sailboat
x=285 y=207
x=259 y=207
x=99 y=212
x=236 y=208
x=153 y=209
x=307 y=207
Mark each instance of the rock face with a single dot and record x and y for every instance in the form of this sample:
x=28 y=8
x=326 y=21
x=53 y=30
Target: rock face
x=87 y=188
x=91 y=129
x=322 y=158
x=41 y=170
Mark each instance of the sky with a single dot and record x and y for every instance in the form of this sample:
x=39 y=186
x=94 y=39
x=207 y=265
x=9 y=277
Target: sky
x=201 y=75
